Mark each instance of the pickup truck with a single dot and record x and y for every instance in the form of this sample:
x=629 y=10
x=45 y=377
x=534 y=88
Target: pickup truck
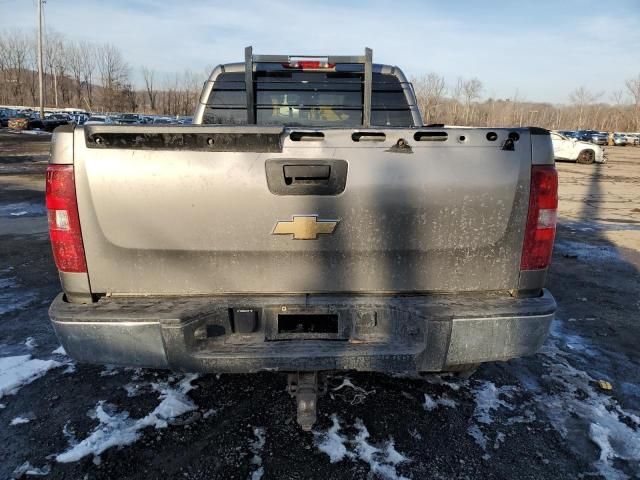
x=306 y=222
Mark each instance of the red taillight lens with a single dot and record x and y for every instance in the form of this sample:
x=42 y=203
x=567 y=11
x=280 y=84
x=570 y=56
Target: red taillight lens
x=541 y=221
x=64 y=223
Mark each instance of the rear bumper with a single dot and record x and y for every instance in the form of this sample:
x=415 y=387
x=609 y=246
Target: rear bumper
x=373 y=333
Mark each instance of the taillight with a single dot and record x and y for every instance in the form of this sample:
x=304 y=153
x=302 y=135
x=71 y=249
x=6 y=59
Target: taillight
x=541 y=220
x=64 y=222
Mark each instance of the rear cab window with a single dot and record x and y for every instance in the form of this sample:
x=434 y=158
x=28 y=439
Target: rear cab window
x=300 y=98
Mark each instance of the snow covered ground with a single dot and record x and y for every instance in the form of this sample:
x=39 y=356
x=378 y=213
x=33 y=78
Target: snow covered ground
x=565 y=396
x=116 y=428
x=20 y=370
x=22 y=209
x=382 y=459
x=548 y=416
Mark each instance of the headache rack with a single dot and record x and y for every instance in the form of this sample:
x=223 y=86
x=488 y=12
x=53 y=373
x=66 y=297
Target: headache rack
x=323 y=61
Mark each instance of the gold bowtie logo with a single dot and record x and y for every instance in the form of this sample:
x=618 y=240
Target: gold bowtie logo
x=305 y=227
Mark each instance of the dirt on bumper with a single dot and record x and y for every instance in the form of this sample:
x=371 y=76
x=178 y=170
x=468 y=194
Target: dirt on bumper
x=386 y=334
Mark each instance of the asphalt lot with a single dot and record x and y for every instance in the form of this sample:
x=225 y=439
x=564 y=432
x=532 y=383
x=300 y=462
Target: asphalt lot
x=545 y=416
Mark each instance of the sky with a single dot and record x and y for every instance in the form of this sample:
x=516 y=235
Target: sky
x=538 y=50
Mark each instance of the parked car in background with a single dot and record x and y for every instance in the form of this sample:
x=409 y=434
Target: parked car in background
x=565 y=148
x=129 y=119
x=620 y=140
x=79 y=118
x=98 y=120
x=53 y=121
x=629 y=138
x=570 y=134
x=162 y=121
x=593 y=136
x=5 y=115
x=34 y=122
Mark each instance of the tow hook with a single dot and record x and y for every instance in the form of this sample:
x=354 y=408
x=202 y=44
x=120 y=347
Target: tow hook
x=305 y=387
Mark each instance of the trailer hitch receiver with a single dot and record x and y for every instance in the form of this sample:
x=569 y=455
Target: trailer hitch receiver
x=305 y=387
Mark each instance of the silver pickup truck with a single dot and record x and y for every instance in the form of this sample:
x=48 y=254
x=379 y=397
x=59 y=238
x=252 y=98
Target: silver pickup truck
x=306 y=222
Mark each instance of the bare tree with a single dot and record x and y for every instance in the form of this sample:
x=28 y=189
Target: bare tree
x=429 y=90
x=149 y=76
x=470 y=92
x=456 y=97
x=74 y=61
x=582 y=99
x=88 y=66
x=18 y=52
x=54 y=59
x=633 y=86
x=114 y=73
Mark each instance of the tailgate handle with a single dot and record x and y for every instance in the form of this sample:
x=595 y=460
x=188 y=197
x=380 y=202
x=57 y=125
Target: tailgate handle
x=300 y=176
x=306 y=174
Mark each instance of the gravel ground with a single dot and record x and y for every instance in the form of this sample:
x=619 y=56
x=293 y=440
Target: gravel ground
x=546 y=416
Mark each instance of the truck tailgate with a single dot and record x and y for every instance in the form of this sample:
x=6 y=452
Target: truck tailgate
x=188 y=210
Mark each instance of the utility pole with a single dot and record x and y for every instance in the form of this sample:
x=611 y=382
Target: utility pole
x=40 y=69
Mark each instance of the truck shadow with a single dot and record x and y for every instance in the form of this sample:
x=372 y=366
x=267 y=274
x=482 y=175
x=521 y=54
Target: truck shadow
x=593 y=280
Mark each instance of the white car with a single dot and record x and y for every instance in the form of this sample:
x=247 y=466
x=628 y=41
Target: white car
x=565 y=148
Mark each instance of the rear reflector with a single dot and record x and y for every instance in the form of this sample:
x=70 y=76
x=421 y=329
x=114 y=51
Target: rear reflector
x=541 y=220
x=64 y=222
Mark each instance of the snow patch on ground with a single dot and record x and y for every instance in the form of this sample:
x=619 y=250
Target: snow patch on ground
x=578 y=408
x=572 y=401
x=256 y=448
x=20 y=420
x=587 y=252
x=35 y=132
x=431 y=403
x=488 y=400
x=109 y=371
x=30 y=343
x=117 y=429
x=478 y=436
x=27 y=469
x=133 y=389
x=331 y=442
x=60 y=351
x=383 y=459
x=20 y=370
x=209 y=413
x=441 y=379
x=22 y=209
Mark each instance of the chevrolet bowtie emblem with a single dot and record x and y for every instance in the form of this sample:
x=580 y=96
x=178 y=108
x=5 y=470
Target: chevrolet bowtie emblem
x=305 y=227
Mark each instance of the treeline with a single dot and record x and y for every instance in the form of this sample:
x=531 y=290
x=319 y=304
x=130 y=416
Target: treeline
x=460 y=104
x=95 y=76
x=88 y=75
